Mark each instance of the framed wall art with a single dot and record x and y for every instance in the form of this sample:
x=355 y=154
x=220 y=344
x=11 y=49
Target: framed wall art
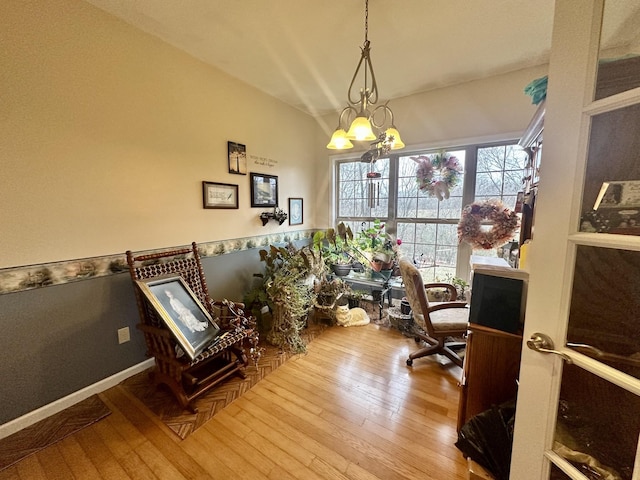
x=219 y=195
x=181 y=311
x=237 y=155
x=264 y=190
x=295 y=211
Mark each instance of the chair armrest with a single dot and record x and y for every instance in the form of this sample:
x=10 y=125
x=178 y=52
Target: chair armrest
x=224 y=303
x=442 y=306
x=453 y=293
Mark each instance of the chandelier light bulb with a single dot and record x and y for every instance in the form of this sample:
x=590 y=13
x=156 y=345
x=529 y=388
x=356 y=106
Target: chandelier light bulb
x=361 y=130
x=339 y=140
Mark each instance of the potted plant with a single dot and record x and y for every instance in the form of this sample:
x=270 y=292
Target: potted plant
x=288 y=289
x=354 y=298
x=334 y=245
x=378 y=248
x=330 y=293
x=462 y=287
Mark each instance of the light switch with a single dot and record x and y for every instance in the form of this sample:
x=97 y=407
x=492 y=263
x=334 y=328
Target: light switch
x=123 y=335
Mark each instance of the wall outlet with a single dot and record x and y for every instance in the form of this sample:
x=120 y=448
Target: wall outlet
x=123 y=335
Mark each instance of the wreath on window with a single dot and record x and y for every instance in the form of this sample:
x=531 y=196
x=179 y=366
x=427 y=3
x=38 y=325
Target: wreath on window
x=504 y=223
x=437 y=174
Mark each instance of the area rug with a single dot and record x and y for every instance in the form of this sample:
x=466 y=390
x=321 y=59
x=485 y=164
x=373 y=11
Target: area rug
x=161 y=402
x=51 y=430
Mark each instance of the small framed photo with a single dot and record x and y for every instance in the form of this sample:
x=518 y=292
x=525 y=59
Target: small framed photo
x=264 y=190
x=219 y=195
x=237 y=154
x=181 y=311
x=295 y=211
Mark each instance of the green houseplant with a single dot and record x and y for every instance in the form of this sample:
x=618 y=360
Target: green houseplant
x=288 y=288
x=335 y=246
x=377 y=247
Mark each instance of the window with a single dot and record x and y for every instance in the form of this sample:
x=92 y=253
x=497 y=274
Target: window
x=428 y=228
x=499 y=173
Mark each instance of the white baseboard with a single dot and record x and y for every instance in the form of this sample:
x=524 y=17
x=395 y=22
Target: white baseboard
x=52 y=408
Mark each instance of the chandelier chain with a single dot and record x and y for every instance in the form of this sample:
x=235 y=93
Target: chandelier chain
x=361 y=114
x=366 y=21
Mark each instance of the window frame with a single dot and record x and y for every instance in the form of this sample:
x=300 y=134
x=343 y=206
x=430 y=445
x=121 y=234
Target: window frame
x=464 y=251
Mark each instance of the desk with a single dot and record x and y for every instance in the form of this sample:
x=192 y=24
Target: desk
x=389 y=289
x=490 y=371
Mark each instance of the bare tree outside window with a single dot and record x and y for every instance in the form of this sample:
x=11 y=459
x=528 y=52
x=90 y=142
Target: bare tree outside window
x=426 y=226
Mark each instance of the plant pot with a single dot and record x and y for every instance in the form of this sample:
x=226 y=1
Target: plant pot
x=379 y=261
x=341 y=270
x=354 y=302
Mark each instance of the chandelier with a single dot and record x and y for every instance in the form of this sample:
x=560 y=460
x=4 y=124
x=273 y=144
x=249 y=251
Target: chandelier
x=366 y=116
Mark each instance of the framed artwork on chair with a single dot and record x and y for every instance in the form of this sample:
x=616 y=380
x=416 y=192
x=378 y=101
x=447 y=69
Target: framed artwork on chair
x=264 y=190
x=295 y=211
x=181 y=311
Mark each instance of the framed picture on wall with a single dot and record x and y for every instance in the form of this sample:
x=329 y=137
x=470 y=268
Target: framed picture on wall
x=237 y=155
x=264 y=190
x=181 y=311
x=219 y=195
x=295 y=211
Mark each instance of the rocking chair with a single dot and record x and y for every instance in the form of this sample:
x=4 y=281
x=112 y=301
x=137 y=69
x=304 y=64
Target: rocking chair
x=223 y=357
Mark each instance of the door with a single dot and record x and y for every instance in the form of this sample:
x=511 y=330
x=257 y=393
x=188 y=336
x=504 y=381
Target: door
x=578 y=413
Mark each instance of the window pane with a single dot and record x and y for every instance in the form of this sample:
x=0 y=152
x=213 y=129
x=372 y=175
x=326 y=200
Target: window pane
x=489 y=183
x=512 y=181
x=490 y=159
x=450 y=208
x=427 y=207
x=432 y=240
x=407 y=207
x=599 y=420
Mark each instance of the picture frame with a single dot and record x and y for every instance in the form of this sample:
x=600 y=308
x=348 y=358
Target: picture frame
x=181 y=311
x=296 y=213
x=237 y=158
x=219 y=195
x=618 y=194
x=264 y=190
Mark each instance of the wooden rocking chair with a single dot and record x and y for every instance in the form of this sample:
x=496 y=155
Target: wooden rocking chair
x=187 y=378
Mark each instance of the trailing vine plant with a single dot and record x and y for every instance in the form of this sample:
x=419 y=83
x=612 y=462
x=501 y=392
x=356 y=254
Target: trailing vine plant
x=288 y=289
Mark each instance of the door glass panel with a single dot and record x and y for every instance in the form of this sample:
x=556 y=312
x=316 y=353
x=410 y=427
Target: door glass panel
x=557 y=474
x=619 y=49
x=598 y=425
x=611 y=197
x=603 y=321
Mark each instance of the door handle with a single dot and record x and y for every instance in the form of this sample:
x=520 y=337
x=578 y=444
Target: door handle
x=542 y=343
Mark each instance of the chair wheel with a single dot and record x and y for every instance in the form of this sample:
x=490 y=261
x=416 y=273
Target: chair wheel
x=409 y=362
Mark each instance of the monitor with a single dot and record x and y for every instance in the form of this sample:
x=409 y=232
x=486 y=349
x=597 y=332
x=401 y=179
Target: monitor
x=498 y=298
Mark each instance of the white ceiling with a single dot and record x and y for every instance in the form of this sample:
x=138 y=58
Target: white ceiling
x=305 y=52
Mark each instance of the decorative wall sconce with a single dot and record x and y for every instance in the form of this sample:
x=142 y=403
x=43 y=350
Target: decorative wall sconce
x=278 y=215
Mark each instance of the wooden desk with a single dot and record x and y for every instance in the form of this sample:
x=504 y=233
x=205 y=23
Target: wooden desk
x=490 y=371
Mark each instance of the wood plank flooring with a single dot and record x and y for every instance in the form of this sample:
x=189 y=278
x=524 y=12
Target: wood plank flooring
x=349 y=409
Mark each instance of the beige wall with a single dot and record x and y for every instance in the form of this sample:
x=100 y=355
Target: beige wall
x=106 y=134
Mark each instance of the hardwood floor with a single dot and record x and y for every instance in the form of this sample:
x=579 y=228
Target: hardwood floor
x=349 y=409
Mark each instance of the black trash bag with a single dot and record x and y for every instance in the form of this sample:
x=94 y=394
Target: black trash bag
x=487 y=439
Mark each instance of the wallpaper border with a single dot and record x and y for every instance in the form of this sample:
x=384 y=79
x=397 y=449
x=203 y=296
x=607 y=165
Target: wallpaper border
x=18 y=279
